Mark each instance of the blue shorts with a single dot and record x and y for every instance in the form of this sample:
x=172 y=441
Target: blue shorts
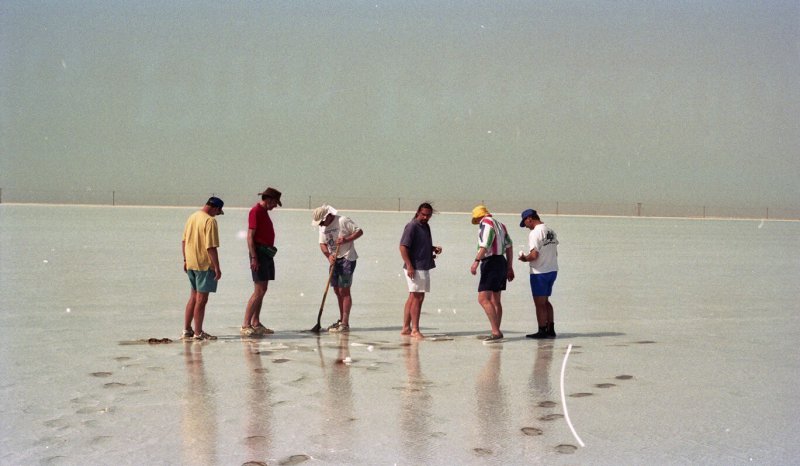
x=494 y=274
x=542 y=283
x=203 y=281
x=343 y=270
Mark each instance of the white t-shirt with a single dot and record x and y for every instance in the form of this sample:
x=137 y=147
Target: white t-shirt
x=340 y=226
x=544 y=240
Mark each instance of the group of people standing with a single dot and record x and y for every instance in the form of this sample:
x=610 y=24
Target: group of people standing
x=201 y=262
x=337 y=235
x=494 y=260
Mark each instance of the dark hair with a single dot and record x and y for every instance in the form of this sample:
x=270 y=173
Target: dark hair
x=425 y=205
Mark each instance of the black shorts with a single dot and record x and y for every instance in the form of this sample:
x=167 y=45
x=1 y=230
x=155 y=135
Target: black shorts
x=494 y=274
x=266 y=268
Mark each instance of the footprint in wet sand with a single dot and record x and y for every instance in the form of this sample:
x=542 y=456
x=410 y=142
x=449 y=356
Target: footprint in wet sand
x=482 y=451
x=100 y=439
x=531 y=431
x=260 y=370
x=280 y=360
x=55 y=460
x=122 y=358
x=566 y=449
x=581 y=395
x=101 y=374
x=295 y=459
x=255 y=463
x=255 y=441
x=605 y=385
x=114 y=385
x=551 y=417
x=624 y=377
x=547 y=404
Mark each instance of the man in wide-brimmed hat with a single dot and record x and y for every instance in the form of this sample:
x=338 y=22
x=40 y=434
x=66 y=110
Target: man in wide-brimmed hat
x=261 y=245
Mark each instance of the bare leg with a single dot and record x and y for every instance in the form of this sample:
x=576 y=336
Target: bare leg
x=406 y=330
x=199 y=311
x=498 y=308
x=543 y=308
x=252 y=313
x=345 y=303
x=414 y=309
x=188 y=314
x=486 y=301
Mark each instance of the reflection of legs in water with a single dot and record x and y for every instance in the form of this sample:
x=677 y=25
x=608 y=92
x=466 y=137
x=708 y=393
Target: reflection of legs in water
x=415 y=412
x=198 y=423
x=540 y=377
x=344 y=348
x=337 y=399
x=411 y=313
x=259 y=435
x=490 y=400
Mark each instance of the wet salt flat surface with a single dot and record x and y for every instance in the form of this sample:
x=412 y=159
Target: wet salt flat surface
x=683 y=347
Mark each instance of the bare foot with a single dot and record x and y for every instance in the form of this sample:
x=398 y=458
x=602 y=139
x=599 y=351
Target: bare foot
x=416 y=334
x=405 y=331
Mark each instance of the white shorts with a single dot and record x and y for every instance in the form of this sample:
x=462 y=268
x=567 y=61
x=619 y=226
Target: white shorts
x=421 y=283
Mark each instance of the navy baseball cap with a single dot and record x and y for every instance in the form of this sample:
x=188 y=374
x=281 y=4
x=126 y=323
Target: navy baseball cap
x=216 y=202
x=525 y=214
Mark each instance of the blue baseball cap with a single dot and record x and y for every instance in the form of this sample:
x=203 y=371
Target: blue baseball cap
x=525 y=214
x=216 y=202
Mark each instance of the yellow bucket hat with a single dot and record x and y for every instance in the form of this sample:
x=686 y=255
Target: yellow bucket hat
x=479 y=212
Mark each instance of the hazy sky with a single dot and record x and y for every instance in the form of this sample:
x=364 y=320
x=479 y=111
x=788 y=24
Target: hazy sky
x=585 y=101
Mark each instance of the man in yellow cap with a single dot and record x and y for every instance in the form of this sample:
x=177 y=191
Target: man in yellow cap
x=494 y=257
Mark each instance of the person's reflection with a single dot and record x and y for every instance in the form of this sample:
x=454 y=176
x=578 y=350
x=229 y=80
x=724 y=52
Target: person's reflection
x=539 y=383
x=259 y=416
x=338 y=404
x=415 y=407
x=198 y=424
x=491 y=403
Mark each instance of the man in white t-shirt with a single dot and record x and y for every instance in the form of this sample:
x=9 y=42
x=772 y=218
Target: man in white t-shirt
x=542 y=257
x=336 y=236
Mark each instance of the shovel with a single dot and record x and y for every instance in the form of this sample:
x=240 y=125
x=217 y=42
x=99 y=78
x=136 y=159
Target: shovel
x=317 y=328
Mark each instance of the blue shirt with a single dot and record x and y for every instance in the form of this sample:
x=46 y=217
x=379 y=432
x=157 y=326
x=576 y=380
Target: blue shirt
x=417 y=238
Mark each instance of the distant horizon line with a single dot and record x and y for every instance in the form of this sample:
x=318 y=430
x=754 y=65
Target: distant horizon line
x=450 y=212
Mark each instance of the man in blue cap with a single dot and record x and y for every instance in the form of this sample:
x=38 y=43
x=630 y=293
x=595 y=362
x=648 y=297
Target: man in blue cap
x=542 y=257
x=201 y=264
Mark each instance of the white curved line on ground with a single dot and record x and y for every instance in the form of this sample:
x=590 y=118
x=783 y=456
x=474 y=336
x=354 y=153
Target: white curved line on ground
x=564 y=398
